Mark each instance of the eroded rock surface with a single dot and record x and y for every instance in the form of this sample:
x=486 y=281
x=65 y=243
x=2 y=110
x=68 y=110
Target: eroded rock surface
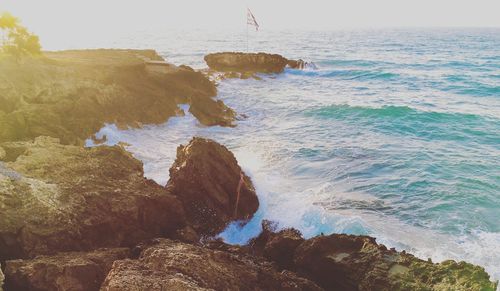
x=75 y=271
x=211 y=185
x=348 y=262
x=70 y=95
x=212 y=113
x=170 y=265
x=67 y=198
x=246 y=62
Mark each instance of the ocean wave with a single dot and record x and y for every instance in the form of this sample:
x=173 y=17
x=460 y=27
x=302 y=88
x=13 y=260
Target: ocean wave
x=358 y=75
x=354 y=63
x=410 y=121
x=388 y=111
x=478 y=91
x=463 y=85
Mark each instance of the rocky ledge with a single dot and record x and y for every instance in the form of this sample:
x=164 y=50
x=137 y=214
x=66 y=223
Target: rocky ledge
x=169 y=265
x=55 y=198
x=64 y=271
x=70 y=95
x=348 y=262
x=244 y=65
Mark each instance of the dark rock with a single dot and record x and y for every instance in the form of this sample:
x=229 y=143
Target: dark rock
x=277 y=246
x=345 y=262
x=296 y=64
x=246 y=62
x=281 y=247
x=348 y=262
x=206 y=177
x=169 y=265
x=212 y=113
x=68 y=198
x=76 y=271
x=359 y=263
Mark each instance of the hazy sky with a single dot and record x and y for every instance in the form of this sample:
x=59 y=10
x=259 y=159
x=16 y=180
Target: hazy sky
x=67 y=18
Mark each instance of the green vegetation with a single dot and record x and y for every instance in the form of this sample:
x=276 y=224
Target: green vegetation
x=448 y=275
x=16 y=40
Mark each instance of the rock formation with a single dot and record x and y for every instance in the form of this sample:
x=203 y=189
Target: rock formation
x=212 y=187
x=297 y=64
x=212 y=113
x=249 y=63
x=170 y=265
x=348 y=262
x=246 y=62
x=68 y=198
x=76 y=271
x=70 y=95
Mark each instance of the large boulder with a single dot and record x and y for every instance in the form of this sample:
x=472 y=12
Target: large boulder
x=56 y=197
x=170 y=265
x=246 y=62
x=211 y=185
x=212 y=113
x=75 y=271
x=348 y=262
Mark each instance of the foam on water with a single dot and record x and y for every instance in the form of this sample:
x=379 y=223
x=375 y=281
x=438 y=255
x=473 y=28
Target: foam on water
x=395 y=135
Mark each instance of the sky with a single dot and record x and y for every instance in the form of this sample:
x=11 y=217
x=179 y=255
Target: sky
x=75 y=18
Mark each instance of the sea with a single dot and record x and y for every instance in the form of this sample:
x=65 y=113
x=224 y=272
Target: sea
x=394 y=133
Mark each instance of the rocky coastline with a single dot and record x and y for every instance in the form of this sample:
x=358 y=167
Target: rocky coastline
x=77 y=218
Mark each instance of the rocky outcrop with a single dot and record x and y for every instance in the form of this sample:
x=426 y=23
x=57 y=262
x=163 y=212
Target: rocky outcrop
x=297 y=64
x=246 y=62
x=211 y=185
x=279 y=246
x=212 y=113
x=70 y=95
x=170 y=265
x=75 y=271
x=68 y=198
x=347 y=262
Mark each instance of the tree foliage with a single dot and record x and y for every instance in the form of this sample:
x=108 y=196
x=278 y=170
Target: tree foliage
x=16 y=39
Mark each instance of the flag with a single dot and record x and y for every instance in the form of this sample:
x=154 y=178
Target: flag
x=251 y=19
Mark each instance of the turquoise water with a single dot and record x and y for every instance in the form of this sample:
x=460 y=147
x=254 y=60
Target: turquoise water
x=395 y=135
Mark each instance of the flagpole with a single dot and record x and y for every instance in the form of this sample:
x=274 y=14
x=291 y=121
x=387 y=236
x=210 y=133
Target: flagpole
x=247 y=27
